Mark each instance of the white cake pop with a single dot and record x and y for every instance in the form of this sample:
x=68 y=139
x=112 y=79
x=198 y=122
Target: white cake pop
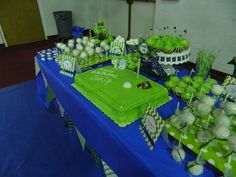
x=93 y=41
x=208 y=100
x=63 y=46
x=78 y=40
x=221 y=132
x=67 y=49
x=87 y=48
x=217 y=89
x=71 y=41
x=84 y=42
x=75 y=53
x=222 y=120
x=195 y=169
x=83 y=55
x=79 y=47
x=103 y=44
x=230 y=108
x=91 y=44
x=90 y=52
x=71 y=45
x=98 y=50
x=107 y=47
x=85 y=38
x=178 y=154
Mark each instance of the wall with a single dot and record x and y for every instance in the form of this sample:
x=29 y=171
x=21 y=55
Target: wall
x=85 y=13
x=1 y=41
x=211 y=25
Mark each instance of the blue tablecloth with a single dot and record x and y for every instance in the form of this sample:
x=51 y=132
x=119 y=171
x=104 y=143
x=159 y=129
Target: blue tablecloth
x=124 y=149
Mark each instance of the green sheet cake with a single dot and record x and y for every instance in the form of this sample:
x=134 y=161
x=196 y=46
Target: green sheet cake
x=115 y=92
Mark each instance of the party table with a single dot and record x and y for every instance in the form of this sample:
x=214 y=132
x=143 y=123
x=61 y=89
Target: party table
x=123 y=149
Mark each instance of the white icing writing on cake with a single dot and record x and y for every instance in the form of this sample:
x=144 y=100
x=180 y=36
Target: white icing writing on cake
x=104 y=72
x=104 y=80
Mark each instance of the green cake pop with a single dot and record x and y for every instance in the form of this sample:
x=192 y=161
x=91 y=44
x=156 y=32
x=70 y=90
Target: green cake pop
x=187 y=79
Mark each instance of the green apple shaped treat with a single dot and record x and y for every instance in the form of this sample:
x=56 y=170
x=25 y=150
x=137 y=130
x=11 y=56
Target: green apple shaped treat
x=168 y=47
x=198 y=79
x=205 y=88
x=186 y=96
x=178 y=90
x=182 y=84
x=199 y=94
x=169 y=84
x=191 y=89
x=174 y=79
x=212 y=81
x=184 y=43
x=187 y=79
x=195 y=84
x=217 y=89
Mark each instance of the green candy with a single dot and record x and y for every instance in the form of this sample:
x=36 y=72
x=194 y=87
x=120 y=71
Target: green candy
x=186 y=79
x=186 y=96
x=198 y=79
x=174 y=79
x=169 y=84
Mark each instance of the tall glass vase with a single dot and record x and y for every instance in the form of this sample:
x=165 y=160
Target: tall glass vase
x=204 y=63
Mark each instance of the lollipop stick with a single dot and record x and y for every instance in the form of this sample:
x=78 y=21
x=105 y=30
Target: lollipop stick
x=228 y=167
x=200 y=153
x=208 y=120
x=191 y=72
x=226 y=97
x=139 y=61
x=180 y=139
x=177 y=108
x=191 y=99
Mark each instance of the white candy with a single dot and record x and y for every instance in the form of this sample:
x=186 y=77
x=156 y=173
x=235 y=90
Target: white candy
x=90 y=44
x=67 y=49
x=223 y=121
x=203 y=109
x=230 y=108
x=71 y=45
x=93 y=41
x=84 y=42
x=79 y=47
x=232 y=142
x=196 y=169
x=91 y=52
x=98 y=50
x=85 y=38
x=127 y=85
x=103 y=44
x=87 y=48
x=208 y=100
x=71 y=41
x=83 y=55
x=107 y=47
x=75 y=53
x=59 y=45
x=63 y=46
x=78 y=40
x=221 y=132
x=217 y=89
x=178 y=154
x=187 y=117
x=218 y=112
